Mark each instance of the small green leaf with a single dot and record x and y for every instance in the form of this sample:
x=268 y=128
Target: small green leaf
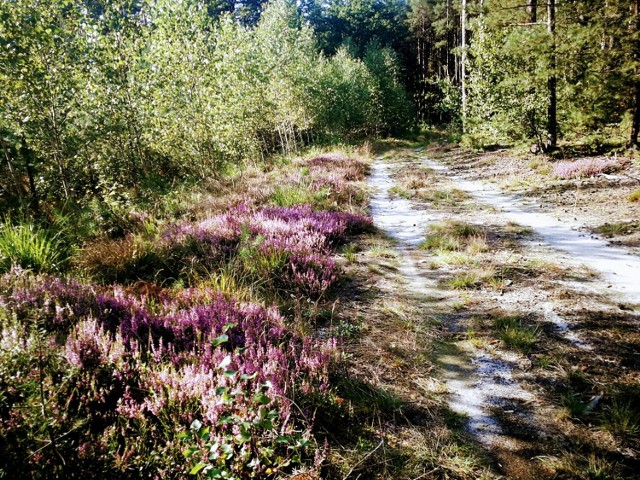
x=261 y=398
x=188 y=452
x=197 y=468
x=246 y=376
x=220 y=340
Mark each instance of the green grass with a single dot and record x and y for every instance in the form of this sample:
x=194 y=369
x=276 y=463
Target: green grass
x=31 y=247
x=455 y=236
x=573 y=404
x=516 y=334
x=445 y=196
x=619 y=228
x=621 y=418
x=634 y=196
x=465 y=281
x=290 y=196
x=401 y=192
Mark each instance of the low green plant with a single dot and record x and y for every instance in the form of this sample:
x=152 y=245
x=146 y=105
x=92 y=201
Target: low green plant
x=401 y=192
x=349 y=251
x=634 y=196
x=619 y=228
x=516 y=334
x=255 y=447
x=574 y=405
x=298 y=195
x=455 y=236
x=465 y=281
x=31 y=247
x=621 y=418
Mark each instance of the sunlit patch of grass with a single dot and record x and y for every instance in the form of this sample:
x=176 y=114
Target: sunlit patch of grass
x=400 y=192
x=228 y=284
x=455 y=237
x=581 y=467
x=31 y=247
x=381 y=251
x=350 y=252
x=634 y=196
x=618 y=228
x=515 y=334
x=517 y=229
x=441 y=242
x=449 y=258
x=540 y=166
x=297 y=195
x=543 y=266
x=443 y=196
x=465 y=281
x=621 y=418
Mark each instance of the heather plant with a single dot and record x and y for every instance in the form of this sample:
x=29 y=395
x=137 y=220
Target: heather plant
x=586 y=167
x=150 y=368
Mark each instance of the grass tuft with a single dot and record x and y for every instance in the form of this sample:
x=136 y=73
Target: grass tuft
x=31 y=247
x=516 y=334
x=621 y=418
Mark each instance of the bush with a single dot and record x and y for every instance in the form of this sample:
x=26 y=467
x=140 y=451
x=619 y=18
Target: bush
x=586 y=167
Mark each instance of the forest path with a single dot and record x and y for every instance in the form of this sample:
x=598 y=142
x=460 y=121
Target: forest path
x=507 y=388
x=617 y=265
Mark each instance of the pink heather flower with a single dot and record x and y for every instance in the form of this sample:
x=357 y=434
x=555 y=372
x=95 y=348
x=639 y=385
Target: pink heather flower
x=586 y=167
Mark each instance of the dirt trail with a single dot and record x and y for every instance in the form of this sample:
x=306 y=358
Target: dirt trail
x=510 y=398
x=617 y=265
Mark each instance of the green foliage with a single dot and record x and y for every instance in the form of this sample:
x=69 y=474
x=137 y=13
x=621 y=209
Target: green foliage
x=622 y=418
x=31 y=247
x=515 y=334
x=97 y=101
x=511 y=61
x=256 y=448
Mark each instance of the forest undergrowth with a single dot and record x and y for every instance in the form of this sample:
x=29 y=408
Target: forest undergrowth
x=189 y=345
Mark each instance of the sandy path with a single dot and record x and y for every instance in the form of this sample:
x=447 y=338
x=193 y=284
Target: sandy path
x=619 y=268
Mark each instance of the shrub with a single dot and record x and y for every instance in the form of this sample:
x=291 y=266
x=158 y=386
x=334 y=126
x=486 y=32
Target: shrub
x=31 y=247
x=586 y=167
x=145 y=370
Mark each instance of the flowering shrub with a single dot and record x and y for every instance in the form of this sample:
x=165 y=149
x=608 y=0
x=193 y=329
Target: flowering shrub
x=586 y=167
x=128 y=380
x=272 y=241
x=132 y=364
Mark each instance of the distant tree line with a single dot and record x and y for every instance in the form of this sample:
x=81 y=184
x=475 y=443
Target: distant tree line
x=509 y=70
x=100 y=98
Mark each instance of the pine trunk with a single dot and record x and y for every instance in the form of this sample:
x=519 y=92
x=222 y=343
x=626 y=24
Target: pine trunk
x=635 y=127
x=463 y=61
x=552 y=121
x=533 y=11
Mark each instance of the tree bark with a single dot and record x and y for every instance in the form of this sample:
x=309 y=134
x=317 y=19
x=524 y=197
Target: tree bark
x=552 y=121
x=533 y=11
x=635 y=126
x=463 y=61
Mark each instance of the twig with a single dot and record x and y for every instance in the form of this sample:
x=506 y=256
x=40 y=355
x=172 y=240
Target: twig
x=363 y=460
x=426 y=473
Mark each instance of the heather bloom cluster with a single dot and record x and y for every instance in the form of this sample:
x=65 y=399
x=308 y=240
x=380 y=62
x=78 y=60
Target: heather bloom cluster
x=335 y=171
x=304 y=238
x=127 y=369
x=586 y=167
x=179 y=357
